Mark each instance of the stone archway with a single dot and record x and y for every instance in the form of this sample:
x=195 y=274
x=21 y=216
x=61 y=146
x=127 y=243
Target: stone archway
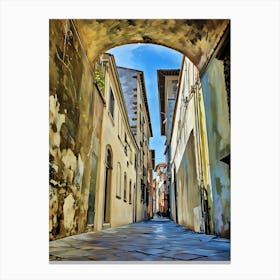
x=197 y=39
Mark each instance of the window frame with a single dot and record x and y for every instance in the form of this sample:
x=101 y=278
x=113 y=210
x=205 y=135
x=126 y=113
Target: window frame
x=111 y=107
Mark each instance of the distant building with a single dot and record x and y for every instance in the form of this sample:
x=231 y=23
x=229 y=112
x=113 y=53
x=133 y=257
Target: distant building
x=162 y=205
x=151 y=166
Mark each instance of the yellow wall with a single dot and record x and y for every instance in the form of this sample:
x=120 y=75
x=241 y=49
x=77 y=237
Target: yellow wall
x=121 y=212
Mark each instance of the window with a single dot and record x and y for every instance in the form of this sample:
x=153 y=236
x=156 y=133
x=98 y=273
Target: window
x=125 y=144
x=125 y=187
x=108 y=173
x=135 y=162
x=118 y=190
x=142 y=191
x=111 y=103
x=174 y=88
x=108 y=159
x=130 y=193
x=147 y=196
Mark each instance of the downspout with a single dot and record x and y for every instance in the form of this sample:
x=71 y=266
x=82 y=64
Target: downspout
x=202 y=189
x=135 y=200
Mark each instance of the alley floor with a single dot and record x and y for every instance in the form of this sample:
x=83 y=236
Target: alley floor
x=159 y=239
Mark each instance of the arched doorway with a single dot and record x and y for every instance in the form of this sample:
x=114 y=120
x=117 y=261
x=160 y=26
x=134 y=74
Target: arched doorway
x=107 y=186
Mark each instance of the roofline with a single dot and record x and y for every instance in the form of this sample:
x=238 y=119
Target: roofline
x=142 y=80
x=160 y=163
x=146 y=100
x=129 y=68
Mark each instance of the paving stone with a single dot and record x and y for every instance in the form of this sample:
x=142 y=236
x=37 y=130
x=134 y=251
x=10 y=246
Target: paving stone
x=175 y=255
x=217 y=257
x=59 y=243
x=53 y=258
x=202 y=252
x=60 y=250
x=97 y=248
x=76 y=253
x=131 y=256
x=152 y=251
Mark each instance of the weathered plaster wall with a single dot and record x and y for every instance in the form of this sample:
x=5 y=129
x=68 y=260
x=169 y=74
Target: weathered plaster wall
x=194 y=38
x=189 y=190
x=73 y=130
x=218 y=134
x=205 y=157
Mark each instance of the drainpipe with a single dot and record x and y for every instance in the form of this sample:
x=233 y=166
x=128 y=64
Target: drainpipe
x=136 y=187
x=202 y=189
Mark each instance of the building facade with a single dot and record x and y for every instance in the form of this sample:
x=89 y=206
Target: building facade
x=200 y=146
x=186 y=192
x=117 y=177
x=134 y=90
x=161 y=190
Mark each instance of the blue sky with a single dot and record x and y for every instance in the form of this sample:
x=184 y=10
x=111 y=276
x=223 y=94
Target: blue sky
x=148 y=58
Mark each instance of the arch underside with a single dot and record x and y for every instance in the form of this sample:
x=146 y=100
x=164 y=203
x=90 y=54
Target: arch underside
x=197 y=39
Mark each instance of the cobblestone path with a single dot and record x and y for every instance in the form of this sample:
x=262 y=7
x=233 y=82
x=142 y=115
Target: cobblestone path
x=159 y=239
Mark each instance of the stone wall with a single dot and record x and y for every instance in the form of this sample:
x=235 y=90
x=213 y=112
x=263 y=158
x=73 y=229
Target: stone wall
x=195 y=38
x=73 y=130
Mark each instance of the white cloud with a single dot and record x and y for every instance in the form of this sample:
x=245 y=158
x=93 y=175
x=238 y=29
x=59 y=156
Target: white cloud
x=124 y=55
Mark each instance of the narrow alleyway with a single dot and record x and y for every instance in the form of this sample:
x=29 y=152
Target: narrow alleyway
x=159 y=239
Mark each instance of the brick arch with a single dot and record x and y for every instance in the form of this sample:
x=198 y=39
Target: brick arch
x=196 y=39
